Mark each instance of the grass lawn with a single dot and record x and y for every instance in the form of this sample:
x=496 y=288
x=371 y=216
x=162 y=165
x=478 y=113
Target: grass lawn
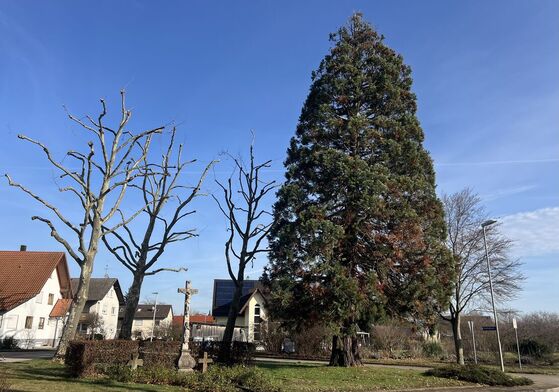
x=46 y=376
x=323 y=378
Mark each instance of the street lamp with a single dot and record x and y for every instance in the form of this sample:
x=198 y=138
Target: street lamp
x=153 y=321
x=483 y=226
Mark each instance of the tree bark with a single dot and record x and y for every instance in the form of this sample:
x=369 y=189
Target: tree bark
x=132 y=300
x=345 y=351
x=225 y=349
x=457 y=334
x=69 y=331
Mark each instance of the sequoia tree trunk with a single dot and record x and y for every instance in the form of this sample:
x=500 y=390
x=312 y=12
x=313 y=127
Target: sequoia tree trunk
x=457 y=334
x=345 y=351
x=132 y=300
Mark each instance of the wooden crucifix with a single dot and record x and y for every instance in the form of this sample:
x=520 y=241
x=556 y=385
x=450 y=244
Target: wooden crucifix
x=186 y=362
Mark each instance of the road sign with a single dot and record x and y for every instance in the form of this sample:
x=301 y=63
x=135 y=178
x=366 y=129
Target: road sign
x=489 y=328
x=514 y=323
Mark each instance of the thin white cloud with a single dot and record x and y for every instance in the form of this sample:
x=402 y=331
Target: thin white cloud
x=507 y=192
x=511 y=162
x=536 y=233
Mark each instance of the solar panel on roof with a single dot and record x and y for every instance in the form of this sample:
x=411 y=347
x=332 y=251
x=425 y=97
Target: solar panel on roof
x=224 y=290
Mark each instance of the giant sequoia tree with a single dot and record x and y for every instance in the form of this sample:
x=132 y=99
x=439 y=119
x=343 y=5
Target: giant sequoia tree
x=359 y=231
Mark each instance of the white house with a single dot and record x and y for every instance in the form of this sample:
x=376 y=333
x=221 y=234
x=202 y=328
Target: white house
x=252 y=307
x=32 y=284
x=100 y=314
x=143 y=326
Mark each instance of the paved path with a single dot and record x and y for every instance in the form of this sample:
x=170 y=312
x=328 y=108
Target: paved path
x=24 y=355
x=542 y=382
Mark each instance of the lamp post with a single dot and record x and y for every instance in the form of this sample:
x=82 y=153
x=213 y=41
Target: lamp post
x=153 y=321
x=483 y=226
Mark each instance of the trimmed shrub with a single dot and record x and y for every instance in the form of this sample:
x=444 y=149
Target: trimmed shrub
x=83 y=356
x=534 y=349
x=160 y=353
x=478 y=374
x=8 y=343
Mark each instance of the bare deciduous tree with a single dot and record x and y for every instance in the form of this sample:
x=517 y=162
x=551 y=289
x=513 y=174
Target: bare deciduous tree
x=159 y=186
x=247 y=227
x=464 y=216
x=99 y=185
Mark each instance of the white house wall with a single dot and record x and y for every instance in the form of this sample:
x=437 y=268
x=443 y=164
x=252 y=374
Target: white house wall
x=144 y=326
x=12 y=323
x=107 y=310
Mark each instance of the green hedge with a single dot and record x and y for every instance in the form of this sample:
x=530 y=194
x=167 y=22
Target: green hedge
x=85 y=357
x=478 y=374
x=160 y=353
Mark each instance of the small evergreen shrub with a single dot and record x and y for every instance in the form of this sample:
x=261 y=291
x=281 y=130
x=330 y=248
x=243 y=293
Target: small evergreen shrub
x=479 y=375
x=534 y=349
x=433 y=350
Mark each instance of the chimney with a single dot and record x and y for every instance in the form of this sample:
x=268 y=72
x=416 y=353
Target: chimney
x=22 y=248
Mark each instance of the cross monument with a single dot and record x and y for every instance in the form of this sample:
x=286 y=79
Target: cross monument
x=186 y=362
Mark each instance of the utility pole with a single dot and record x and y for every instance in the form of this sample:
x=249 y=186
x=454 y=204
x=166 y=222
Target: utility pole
x=517 y=345
x=472 y=330
x=483 y=226
x=153 y=321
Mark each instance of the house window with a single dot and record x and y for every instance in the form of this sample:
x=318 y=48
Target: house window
x=51 y=299
x=113 y=310
x=257 y=321
x=41 y=323
x=139 y=322
x=39 y=298
x=29 y=322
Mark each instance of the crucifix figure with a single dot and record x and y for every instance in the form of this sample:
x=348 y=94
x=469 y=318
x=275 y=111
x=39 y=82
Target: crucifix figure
x=186 y=362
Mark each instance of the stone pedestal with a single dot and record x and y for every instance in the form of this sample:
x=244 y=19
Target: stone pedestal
x=186 y=362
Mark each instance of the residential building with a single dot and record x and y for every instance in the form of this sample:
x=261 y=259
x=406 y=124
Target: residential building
x=32 y=286
x=100 y=314
x=252 y=308
x=143 y=325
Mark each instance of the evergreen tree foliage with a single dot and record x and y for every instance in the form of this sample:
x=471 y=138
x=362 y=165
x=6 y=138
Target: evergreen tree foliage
x=359 y=232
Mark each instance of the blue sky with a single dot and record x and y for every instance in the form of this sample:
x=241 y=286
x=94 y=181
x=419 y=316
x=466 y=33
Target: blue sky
x=485 y=74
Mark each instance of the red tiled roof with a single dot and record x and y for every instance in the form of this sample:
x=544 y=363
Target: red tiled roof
x=61 y=307
x=23 y=274
x=194 y=318
x=202 y=318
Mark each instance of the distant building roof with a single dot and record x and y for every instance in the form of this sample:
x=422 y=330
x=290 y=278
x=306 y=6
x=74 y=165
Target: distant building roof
x=23 y=274
x=98 y=288
x=145 y=311
x=61 y=307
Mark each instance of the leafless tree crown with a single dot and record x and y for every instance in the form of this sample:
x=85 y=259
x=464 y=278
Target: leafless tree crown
x=160 y=184
x=113 y=160
x=464 y=216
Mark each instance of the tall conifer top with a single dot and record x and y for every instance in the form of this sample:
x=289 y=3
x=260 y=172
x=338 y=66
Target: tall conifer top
x=359 y=229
